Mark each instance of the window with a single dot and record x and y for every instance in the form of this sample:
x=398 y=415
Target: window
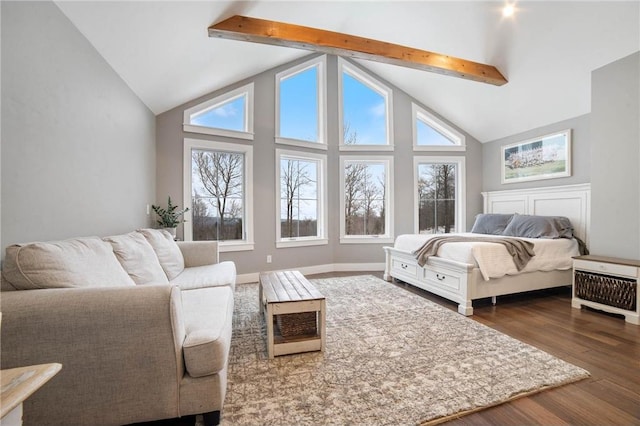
x=366 y=205
x=218 y=191
x=440 y=195
x=300 y=108
x=301 y=203
x=365 y=110
x=431 y=133
x=230 y=114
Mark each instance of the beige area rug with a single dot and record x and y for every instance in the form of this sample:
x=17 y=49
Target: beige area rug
x=391 y=357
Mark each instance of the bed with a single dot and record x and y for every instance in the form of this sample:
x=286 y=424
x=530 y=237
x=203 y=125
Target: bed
x=459 y=274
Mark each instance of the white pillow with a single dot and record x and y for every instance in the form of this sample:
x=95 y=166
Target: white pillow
x=79 y=262
x=166 y=249
x=138 y=258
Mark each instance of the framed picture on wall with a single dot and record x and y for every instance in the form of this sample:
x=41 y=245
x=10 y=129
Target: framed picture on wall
x=545 y=157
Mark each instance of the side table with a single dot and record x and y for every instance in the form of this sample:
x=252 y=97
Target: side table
x=20 y=383
x=608 y=284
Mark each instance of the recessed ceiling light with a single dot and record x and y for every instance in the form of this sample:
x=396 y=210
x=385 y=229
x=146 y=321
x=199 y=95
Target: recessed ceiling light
x=508 y=10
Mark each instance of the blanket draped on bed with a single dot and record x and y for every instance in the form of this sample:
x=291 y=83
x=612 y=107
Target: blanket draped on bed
x=521 y=251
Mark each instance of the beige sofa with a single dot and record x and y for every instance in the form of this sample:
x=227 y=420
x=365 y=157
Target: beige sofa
x=141 y=325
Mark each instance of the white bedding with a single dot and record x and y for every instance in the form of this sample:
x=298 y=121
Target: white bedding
x=492 y=259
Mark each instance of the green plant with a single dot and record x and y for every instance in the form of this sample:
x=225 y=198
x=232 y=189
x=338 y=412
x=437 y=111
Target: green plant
x=169 y=217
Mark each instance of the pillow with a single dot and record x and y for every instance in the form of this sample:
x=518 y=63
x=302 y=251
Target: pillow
x=80 y=262
x=166 y=249
x=137 y=257
x=527 y=226
x=491 y=223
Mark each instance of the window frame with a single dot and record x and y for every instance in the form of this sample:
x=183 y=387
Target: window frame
x=461 y=201
x=320 y=63
x=247 y=91
x=446 y=130
x=321 y=238
x=247 y=150
x=388 y=236
x=375 y=85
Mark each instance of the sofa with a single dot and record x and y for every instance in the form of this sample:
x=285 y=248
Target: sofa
x=140 y=323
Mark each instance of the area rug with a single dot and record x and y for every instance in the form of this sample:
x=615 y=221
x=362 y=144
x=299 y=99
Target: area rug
x=392 y=357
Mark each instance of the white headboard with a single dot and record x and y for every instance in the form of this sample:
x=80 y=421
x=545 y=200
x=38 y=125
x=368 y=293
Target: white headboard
x=572 y=201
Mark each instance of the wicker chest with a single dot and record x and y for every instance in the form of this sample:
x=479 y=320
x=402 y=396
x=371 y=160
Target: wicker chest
x=607 y=284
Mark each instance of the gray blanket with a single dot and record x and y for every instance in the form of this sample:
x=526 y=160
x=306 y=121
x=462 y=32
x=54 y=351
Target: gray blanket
x=521 y=251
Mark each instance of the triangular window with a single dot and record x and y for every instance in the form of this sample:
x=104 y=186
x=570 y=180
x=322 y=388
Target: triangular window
x=230 y=114
x=431 y=133
x=300 y=110
x=365 y=110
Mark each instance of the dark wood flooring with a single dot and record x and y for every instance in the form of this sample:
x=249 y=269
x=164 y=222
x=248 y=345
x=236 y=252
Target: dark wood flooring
x=603 y=344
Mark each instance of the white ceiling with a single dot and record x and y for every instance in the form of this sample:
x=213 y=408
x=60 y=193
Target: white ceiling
x=547 y=51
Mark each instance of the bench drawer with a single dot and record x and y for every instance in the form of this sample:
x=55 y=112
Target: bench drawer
x=442 y=279
x=404 y=267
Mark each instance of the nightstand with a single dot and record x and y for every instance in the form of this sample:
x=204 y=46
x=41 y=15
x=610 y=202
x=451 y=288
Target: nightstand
x=608 y=284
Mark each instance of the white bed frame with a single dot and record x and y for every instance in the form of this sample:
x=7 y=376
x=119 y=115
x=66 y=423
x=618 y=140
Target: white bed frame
x=463 y=283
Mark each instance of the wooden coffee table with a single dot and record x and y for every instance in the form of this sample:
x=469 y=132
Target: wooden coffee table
x=289 y=292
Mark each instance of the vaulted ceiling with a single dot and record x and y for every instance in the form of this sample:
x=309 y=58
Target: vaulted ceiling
x=546 y=51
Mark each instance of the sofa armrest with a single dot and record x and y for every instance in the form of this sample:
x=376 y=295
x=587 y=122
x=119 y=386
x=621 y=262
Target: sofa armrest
x=120 y=350
x=199 y=253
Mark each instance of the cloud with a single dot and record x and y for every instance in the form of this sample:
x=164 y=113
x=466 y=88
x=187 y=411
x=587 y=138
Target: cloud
x=227 y=110
x=378 y=110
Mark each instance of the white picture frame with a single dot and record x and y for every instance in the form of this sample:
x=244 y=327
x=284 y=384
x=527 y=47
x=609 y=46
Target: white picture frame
x=544 y=157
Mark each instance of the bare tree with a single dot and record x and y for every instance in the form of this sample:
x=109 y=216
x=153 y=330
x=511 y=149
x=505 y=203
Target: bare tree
x=354 y=176
x=293 y=176
x=436 y=196
x=349 y=137
x=221 y=175
x=371 y=193
x=199 y=216
x=363 y=196
x=426 y=195
x=446 y=182
x=383 y=189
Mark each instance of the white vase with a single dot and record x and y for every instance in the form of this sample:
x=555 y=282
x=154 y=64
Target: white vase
x=172 y=231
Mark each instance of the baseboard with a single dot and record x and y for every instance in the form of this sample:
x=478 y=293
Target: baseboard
x=318 y=269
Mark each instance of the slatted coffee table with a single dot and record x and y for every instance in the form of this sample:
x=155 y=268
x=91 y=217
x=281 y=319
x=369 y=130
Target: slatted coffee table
x=286 y=293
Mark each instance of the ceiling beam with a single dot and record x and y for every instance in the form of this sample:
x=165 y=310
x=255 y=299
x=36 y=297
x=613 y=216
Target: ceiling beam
x=244 y=28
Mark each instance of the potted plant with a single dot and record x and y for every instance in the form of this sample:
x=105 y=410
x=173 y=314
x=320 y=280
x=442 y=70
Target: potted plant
x=169 y=218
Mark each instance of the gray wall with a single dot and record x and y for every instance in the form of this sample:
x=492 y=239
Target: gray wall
x=580 y=160
x=615 y=179
x=605 y=152
x=78 y=146
x=169 y=181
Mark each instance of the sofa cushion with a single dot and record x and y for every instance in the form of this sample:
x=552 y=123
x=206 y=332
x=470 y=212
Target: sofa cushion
x=79 y=262
x=137 y=257
x=207 y=317
x=219 y=274
x=166 y=249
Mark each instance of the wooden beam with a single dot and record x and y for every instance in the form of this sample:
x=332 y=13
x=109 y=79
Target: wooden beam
x=244 y=28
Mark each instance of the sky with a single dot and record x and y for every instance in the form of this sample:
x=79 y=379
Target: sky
x=364 y=110
x=228 y=115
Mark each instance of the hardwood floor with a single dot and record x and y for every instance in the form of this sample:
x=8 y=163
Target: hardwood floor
x=603 y=344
